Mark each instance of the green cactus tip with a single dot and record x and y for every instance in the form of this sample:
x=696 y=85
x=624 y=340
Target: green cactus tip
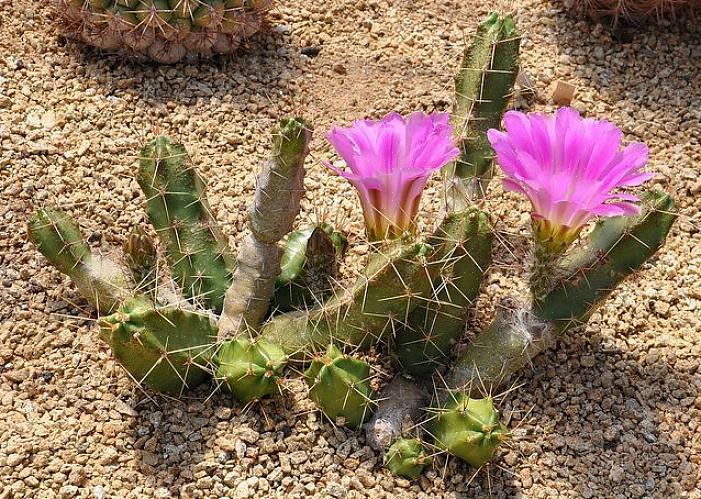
x=339 y=385
x=468 y=428
x=251 y=370
x=407 y=457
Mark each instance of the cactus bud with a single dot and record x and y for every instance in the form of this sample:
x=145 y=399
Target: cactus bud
x=407 y=457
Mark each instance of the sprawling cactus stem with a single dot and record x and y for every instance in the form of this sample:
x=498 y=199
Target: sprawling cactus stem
x=308 y=267
x=483 y=87
x=275 y=207
x=167 y=349
x=437 y=323
x=176 y=204
x=105 y=283
x=397 y=278
x=340 y=385
x=618 y=247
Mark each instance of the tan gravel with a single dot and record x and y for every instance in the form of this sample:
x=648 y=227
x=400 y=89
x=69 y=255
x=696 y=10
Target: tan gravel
x=613 y=412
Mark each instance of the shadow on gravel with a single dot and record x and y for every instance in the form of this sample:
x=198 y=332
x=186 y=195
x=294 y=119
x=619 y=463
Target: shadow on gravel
x=262 y=69
x=591 y=404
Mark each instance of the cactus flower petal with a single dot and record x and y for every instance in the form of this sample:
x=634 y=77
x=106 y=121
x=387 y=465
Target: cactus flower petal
x=569 y=167
x=389 y=162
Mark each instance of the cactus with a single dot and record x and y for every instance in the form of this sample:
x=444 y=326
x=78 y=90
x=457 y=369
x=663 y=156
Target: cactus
x=339 y=385
x=165 y=31
x=141 y=257
x=630 y=10
x=436 y=324
x=106 y=283
x=177 y=206
x=483 y=88
x=407 y=458
x=618 y=247
x=275 y=206
x=251 y=370
x=308 y=267
x=166 y=349
x=467 y=428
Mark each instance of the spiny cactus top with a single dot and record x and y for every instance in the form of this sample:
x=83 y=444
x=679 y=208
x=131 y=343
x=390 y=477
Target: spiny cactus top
x=390 y=161
x=163 y=30
x=569 y=167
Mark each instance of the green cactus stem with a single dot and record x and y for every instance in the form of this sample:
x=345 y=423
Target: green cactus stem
x=105 y=283
x=617 y=248
x=467 y=428
x=436 y=324
x=177 y=206
x=250 y=370
x=407 y=458
x=339 y=385
x=166 y=349
x=276 y=205
x=483 y=88
x=308 y=267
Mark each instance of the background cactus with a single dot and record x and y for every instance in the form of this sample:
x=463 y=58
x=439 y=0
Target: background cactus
x=163 y=30
x=630 y=10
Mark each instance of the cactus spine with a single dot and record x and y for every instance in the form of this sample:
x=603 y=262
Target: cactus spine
x=483 y=88
x=339 y=385
x=104 y=282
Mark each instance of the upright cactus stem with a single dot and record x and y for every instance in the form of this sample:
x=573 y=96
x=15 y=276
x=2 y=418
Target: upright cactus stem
x=483 y=88
x=104 y=282
x=618 y=247
x=177 y=206
x=275 y=207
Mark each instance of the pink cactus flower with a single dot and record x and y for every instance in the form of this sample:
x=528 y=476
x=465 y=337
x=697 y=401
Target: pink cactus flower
x=389 y=162
x=569 y=167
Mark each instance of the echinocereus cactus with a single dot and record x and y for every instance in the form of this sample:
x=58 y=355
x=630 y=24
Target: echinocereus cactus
x=163 y=30
x=390 y=161
x=412 y=296
x=630 y=10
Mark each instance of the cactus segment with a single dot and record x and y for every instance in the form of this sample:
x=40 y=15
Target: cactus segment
x=164 y=348
x=468 y=428
x=176 y=204
x=308 y=267
x=436 y=324
x=103 y=282
x=382 y=297
x=618 y=247
x=250 y=370
x=407 y=457
x=275 y=206
x=483 y=88
x=339 y=385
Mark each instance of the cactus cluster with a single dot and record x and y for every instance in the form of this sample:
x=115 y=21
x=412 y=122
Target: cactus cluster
x=242 y=320
x=165 y=31
x=630 y=10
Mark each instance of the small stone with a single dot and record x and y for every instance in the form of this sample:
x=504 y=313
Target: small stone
x=340 y=69
x=563 y=93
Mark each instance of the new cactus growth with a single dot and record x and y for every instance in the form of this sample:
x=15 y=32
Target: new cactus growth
x=106 y=283
x=165 y=348
x=308 y=267
x=163 y=30
x=251 y=370
x=468 y=428
x=407 y=457
x=340 y=385
x=140 y=254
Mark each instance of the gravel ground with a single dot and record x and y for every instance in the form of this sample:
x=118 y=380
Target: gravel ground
x=613 y=411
